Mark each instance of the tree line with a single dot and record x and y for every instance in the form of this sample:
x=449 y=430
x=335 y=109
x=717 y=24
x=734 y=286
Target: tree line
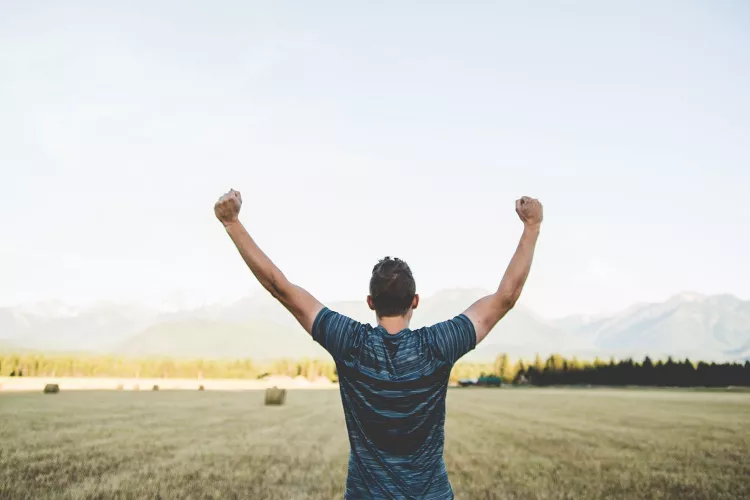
x=555 y=370
x=36 y=365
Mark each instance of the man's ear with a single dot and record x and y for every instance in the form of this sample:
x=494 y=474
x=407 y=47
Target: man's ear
x=415 y=302
x=370 y=303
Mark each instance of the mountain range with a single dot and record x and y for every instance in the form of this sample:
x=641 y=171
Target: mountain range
x=702 y=327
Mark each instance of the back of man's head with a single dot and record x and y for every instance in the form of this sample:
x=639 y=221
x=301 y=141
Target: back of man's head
x=392 y=288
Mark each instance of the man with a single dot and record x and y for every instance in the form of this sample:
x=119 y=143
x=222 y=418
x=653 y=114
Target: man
x=393 y=380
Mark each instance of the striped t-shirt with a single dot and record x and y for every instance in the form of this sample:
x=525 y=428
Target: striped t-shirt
x=393 y=390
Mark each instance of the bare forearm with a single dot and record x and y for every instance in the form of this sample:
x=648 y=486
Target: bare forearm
x=518 y=270
x=261 y=266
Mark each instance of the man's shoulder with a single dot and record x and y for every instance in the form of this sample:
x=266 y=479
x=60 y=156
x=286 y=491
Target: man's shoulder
x=457 y=321
x=334 y=315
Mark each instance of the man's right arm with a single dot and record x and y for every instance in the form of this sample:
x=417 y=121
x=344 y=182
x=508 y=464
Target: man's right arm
x=303 y=306
x=487 y=311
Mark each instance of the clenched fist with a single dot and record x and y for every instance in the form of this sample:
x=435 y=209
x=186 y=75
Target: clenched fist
x=227 y=209
x=530 y=211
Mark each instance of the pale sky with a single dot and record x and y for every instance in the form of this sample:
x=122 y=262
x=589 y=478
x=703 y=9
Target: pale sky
x=356 y=130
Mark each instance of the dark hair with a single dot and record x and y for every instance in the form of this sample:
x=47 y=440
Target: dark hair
x=392 y=287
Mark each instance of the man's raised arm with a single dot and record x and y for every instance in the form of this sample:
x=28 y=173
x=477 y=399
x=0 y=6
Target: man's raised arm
x=296 y=299
x=487 y=311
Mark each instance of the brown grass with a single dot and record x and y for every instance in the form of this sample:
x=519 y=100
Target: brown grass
x=500 y=444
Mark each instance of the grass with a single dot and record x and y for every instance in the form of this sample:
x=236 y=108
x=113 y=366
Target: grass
x=507 y=443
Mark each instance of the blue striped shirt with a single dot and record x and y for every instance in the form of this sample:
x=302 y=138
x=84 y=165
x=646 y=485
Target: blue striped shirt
x=393 y=390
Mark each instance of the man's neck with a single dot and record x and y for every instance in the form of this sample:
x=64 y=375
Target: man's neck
x=394 y=324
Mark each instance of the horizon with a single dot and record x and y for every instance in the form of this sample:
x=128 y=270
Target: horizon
x=359 y=133
x=166 y=307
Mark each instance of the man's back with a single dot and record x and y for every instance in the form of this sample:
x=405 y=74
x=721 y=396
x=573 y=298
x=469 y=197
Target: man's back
x=393 y=389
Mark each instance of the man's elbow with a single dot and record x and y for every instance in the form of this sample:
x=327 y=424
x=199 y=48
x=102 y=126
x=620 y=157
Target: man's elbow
x=279 y=288
x=507 y=300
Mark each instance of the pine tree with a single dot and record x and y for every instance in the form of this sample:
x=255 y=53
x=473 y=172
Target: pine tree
x=538 y=363
x=501 y=366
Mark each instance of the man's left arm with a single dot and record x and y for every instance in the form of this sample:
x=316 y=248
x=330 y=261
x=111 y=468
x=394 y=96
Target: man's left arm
x=296 y=299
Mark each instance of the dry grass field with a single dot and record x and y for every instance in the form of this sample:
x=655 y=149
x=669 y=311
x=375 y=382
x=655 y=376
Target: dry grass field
x=501 y=443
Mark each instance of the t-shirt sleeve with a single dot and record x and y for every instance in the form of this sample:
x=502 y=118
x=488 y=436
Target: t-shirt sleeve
x=338 y=334
x=453 y=338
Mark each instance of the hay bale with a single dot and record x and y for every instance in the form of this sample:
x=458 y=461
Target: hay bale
x=155 y=388
x=51 y=389
x=275 y=396
x=201 y=388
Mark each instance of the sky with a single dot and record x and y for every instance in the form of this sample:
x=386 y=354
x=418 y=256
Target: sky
x=356 y=130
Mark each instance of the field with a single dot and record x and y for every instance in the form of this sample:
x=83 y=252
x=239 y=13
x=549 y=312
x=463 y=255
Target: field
x=500 y=443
